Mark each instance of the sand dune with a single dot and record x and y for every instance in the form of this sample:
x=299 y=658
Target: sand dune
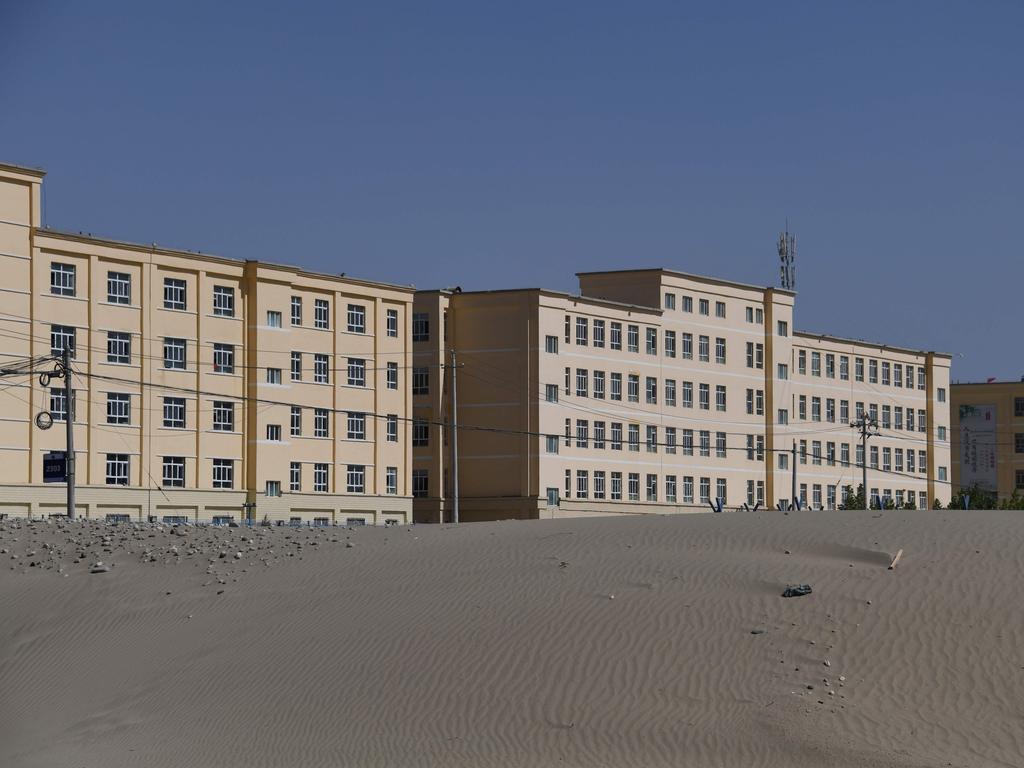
x=601 y=642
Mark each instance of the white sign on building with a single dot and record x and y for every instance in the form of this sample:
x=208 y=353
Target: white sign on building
x=978 y=446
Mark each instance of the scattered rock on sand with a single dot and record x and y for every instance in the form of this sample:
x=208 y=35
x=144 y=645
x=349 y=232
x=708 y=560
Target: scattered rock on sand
x=99 y=567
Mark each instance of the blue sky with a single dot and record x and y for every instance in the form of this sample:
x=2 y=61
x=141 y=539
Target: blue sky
x=501 y=145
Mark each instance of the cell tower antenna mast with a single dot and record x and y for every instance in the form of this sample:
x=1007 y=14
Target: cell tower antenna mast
x=787 y=259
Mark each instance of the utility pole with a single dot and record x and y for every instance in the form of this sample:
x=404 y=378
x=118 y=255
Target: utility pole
x=868 y=428
x=69 y=421
x=455 y=446
x=793 y=498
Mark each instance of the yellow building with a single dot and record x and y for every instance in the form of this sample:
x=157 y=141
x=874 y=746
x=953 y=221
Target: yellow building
x=200 y=383
x=988 y=437
x=659 y=391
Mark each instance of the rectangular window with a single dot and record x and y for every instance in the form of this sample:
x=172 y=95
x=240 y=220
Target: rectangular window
x=62 y=337
x=720 y=309
x=720 y=487
x=273 y=319
x=321 y=477
x=844 y=368
x=816 y=453
x=633 y=432
x=634 y=486
x=296 y=366
x=830 y=366
x=801 y=362
x=599 y=492
x=815 y=409
x=321 y=313
x=551 y=344
x=632 y=338
x=844 y=411
x=705 y=490
x=551 y=443
x=651 y=390
x=687 y=346
x=295 y=421
x=705 y=397
x=582 y=484
x=705 y=443
x=296 y=310
x=582 y=328
x=119 y=408
x=420 y=433
x=355 y=478
x=783 y=416
x=391 y=378
x=941 y=394
x=273 y=375
x=582 y=381
x=119 y=347
x=174 y=293
x=598 y=333
x=670 y=343
x=174 y=412
x=815 y=364
x=117 y=469
x=720 y=397
x=652 y=487
x=652 y=341
x=670 y=301
x=599 y=385
x=615 y=341
x=321 y=422
x=357 y=426
x=670 y=440
x=687 y=394
x=704 y=306
x=616 y=486
x=652 y=439
x=62 y=279
x=357 y=372
x=174 y=472
x=616 y=440
x=872 y=371
x=391 y=481
x=909 y=377
x=223 y=473
x=897 y=377
x=783 y=373
x=720 y=350
x=616 y=386
x=1018 y=407
x=633 y=391
x=223 y=358
x=687 y=304
x=392 y=428
x=356 y=319
x=782 y=328
x=720 y=445
x=858 y=369
x=687 y=489
x=174 y=354
x=295 y=477
x=391 y=323
x=704 y=349
x=274 y=433
x=687 y=442
x=119 y=288
x=223 y=416
x=886 y=380
x=551 y=393
x=670 y=392
x=1018 y=442
x=599 y=435
x=223 y=301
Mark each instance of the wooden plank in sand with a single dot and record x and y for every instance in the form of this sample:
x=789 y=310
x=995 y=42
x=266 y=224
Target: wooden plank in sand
x=895 y=560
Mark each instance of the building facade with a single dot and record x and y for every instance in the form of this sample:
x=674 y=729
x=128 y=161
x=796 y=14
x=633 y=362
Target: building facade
x=988 y=437
x=201 y=384
x=658 y=391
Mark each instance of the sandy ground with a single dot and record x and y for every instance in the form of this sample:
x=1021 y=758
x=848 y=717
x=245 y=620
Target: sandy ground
x=637 y=641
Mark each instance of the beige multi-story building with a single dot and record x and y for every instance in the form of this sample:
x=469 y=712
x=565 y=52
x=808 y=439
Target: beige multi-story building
x=201 y=384
x=659 y=391
x=988 y=437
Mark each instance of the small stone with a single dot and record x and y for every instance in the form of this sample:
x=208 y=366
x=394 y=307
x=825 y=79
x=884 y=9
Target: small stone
x=611 y=597
x=828 y=663
x=842 y=678
x=757 y=631
x=349 y=544
x=810 y=687
x=788 y=552
x=99 y=567
x=238 y=555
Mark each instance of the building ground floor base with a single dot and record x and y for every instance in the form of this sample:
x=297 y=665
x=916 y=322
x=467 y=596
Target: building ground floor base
x=471 y=510
x=192 y=506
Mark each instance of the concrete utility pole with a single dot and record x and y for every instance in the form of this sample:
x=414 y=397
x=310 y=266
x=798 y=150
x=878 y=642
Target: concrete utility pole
x=868 y=428
x=455 y=447
x=793 y=498
x=69 y=422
